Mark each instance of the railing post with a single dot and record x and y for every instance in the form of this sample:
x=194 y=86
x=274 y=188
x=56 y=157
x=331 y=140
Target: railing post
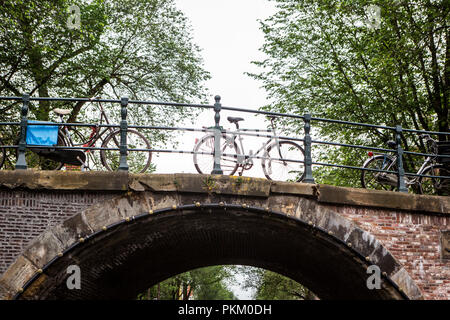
x=217 y=135
x=123 y=165
x=401 y=171
x=21 y=163
x=308 y=158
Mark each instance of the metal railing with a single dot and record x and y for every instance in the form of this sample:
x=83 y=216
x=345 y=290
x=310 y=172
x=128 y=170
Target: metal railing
x=218 y=133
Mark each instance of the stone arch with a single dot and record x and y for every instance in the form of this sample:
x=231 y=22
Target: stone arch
x=133 y=241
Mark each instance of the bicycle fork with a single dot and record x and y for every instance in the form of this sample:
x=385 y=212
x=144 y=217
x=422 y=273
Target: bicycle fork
x=266 y=155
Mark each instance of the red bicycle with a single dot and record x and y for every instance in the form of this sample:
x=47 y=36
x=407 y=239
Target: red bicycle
x=109 y=137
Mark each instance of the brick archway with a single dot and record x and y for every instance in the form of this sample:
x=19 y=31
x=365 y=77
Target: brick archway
x=133 y=241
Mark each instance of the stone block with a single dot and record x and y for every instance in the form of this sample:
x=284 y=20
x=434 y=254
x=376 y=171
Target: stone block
x=404 y=281
x=18 y=274
x=43 y=249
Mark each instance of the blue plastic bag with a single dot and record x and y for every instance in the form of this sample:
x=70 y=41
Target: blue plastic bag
x=42 y=135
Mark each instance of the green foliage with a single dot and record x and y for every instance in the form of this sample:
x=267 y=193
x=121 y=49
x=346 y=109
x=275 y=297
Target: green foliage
x=269 y=285
x=322 y=57
x=136 y=48
x=199 y=284
x=277 y=287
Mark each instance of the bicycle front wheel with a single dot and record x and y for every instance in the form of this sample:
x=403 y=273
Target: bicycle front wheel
x=204 y=163
x=138 y=161
x=283 y=163
x=374 y=179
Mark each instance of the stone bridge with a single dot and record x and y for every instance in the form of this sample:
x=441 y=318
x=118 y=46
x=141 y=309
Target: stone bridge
x=128 y=232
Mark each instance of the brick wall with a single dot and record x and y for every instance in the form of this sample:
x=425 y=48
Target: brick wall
x=26 y=214
x=414 y=239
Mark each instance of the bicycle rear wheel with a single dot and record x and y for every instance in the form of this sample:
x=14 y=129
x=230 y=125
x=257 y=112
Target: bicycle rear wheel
x=283 y=164
x=38 y=160
x=138 y=161
x=435 y=186
x=204 y=163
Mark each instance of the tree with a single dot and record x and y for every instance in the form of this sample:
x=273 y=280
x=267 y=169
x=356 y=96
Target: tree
x=269 y=285
x=200 y=284
x=136 y=48
x=323 y=57
x=209 y=283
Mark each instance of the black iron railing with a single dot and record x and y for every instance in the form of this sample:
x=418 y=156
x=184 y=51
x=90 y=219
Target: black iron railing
x=218 y=133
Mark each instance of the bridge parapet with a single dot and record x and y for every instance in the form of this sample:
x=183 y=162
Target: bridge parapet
x=123 y=181
x=116 y=153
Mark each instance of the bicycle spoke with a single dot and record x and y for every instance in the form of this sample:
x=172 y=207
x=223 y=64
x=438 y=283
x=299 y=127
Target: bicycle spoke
x=278 y=166
x=204 y=163
x=431 y=186
x=370 y=179
x=138 y=161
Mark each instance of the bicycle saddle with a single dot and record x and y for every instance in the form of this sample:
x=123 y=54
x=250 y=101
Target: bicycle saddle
x=61 y=112
x=391 y=144
x=234 y=120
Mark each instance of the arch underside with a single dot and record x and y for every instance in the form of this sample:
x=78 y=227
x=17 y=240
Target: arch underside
x=133 y=256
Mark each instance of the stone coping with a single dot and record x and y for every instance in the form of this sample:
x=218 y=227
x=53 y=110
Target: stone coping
x=196 y=183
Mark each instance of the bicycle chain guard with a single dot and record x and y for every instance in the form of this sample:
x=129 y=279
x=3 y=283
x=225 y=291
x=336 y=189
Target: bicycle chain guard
x=388 y=179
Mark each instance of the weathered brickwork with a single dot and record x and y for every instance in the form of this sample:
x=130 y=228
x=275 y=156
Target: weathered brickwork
x=412 y=232
x=414 y=239
x=26 y=214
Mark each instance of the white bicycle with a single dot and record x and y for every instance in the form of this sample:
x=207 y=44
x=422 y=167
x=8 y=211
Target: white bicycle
x=281 y=160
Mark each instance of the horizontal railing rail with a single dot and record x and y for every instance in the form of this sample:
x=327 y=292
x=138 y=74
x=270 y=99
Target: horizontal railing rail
x=218 y=133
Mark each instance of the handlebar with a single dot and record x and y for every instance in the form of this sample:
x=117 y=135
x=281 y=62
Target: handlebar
x=431 y=144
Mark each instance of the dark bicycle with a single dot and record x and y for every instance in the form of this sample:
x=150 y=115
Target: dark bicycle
x=432 y=166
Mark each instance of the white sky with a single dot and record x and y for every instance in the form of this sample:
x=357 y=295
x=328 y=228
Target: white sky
x=228 y=33
x=229 y=36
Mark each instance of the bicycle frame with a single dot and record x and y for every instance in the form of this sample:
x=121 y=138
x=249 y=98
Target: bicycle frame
x=409 y=181
x=428 y=160
x=248 y=158
x=95 y=135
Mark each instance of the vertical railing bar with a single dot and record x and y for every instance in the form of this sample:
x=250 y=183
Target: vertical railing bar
x=307 y=142
x=217 y=135
x=123 y=165
x=401 y=171
x=21 y=163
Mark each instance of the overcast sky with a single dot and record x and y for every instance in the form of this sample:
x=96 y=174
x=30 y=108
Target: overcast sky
x=229 y=36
